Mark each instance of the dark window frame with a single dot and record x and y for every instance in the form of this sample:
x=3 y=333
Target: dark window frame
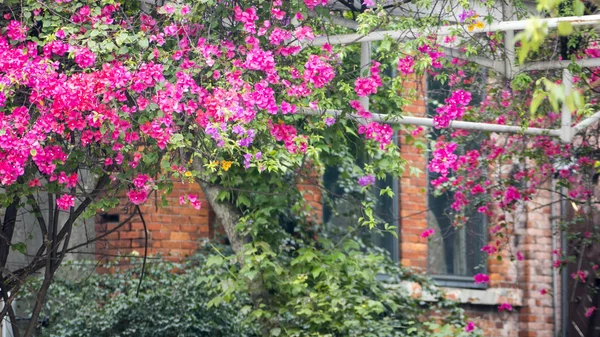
x=390 y=242
x=452 y=280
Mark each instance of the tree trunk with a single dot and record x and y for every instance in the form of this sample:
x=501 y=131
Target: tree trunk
x=229 y=217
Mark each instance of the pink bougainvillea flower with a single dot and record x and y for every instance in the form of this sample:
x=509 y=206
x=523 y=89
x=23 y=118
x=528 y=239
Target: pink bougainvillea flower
x=427 y=233
x=193 y=198
x=65 y=202
x=406 y=65
x=453 y=109
x=581 y=275
x=304 y=33
x=520 y=256
x=444 y=159
x=505 y=306
x=481 y=278
x=311 y=4
x=84 y=57
x=489 y=249
x=470 y=327
x=589 y=312
x=137 y=197
x=35 y=182
x=142 y=182
x=381 y=133
x=317 y=71
x=16 y=31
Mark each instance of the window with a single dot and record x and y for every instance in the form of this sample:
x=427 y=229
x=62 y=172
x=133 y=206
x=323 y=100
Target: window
x=342 y=204
x=454 y=254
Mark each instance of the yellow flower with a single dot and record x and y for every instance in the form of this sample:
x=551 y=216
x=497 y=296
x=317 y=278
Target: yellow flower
x=188 y=174
x=225 y=165
x=479 y=25
x=471 y=27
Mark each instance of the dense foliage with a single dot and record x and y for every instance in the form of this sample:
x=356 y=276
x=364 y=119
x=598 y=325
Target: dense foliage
x=102 y=98
x=172 y=301
x=179 y=300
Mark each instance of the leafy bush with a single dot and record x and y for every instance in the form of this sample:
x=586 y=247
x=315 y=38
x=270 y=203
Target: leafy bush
x=171 y=302
x=335 y=290
x=328 y=291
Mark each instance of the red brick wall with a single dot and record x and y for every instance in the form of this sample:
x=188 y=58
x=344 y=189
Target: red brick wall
x=173 y=232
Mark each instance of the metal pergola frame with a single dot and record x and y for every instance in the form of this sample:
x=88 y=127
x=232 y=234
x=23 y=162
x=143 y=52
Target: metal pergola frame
x=505 y=66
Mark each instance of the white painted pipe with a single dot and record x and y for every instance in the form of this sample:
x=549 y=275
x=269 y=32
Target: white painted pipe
x=509 y=41
x=566 y=131
x=428 y=122
x=547 y=65
x=448 y=30
x=365 y=62
x=586 y=122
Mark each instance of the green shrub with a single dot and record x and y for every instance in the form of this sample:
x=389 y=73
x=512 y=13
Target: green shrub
x=171 y=302
x=327 y=292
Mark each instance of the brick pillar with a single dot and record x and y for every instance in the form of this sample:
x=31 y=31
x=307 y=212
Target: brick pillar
x=535 y=272
x=413 y=191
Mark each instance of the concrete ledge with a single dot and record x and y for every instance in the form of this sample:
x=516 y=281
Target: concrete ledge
x=490 y=296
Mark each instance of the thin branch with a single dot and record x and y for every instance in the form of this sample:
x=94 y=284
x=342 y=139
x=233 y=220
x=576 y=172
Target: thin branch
x=38 y=215
x=105 y=234
x=11 y=313
x=139 y=211
x=103 y=181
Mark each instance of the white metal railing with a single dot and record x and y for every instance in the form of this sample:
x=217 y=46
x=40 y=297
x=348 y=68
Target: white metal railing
x=505 y=66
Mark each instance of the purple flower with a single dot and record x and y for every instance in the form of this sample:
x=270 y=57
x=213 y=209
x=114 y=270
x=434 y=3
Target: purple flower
x=247 y=158
x=237 y=129
x=464 y=15
x=470 y=327
x=366 y=180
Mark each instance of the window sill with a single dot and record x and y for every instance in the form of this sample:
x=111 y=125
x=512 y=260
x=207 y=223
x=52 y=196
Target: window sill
x=489 y=296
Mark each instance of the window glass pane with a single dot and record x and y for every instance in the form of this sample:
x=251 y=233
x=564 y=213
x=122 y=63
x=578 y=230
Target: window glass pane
x=342 y=207
x=452 y=251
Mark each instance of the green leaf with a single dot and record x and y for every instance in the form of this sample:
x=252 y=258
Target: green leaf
x=351 y=245
x=317 y=271
x=176 y=138
x=565 y=28
x=578 y=7
x=20 y=247
x=538 y=98
x=243 y=200
x=275 y=332
x=143 y=43
x=223 y=195
x=121 y=39
x=214 y=260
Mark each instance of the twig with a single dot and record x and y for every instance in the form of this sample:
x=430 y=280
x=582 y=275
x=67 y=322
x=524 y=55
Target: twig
x=137 y=292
